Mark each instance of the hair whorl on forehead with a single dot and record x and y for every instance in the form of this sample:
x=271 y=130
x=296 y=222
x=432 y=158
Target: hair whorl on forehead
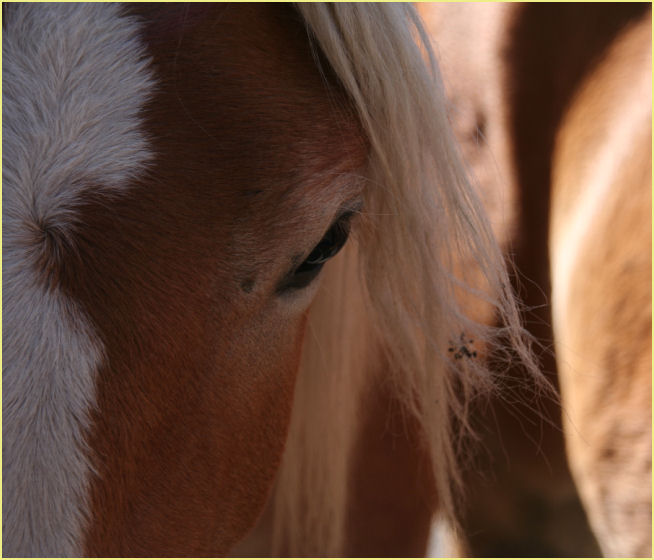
x=426 y=252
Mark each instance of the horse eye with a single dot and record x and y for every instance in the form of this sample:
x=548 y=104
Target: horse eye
x=331 y=243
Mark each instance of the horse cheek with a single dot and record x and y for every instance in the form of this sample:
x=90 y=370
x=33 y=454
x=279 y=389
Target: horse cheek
x=257 y=455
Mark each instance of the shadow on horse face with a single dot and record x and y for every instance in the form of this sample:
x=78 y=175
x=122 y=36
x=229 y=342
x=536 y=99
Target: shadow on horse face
x=254 y=158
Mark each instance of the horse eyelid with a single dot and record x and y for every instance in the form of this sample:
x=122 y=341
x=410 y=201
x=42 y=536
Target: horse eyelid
x=305 y=273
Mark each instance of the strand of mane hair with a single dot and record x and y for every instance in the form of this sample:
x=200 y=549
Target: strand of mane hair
x=424 y=260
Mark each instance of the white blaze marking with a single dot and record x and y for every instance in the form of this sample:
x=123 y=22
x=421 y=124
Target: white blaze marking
x=74 y=81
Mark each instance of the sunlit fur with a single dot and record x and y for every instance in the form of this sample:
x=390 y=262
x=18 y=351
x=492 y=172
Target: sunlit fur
x=422 y=220
x=50 y=349
x=600 y=247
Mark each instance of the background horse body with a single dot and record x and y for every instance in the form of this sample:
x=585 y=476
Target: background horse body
x=552 y=107
x=174 y=178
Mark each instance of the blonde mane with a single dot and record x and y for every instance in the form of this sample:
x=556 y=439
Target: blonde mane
x=425 y=258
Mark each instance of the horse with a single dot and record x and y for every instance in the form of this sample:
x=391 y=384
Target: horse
x=552 y=108
x=601 y=254
x=175 y=180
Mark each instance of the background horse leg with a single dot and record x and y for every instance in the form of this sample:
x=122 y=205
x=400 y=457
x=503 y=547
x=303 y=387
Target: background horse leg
x=601 y=261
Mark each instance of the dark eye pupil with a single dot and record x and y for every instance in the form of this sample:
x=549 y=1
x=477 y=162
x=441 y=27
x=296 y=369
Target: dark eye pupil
x=331 y=243
x=326 y=249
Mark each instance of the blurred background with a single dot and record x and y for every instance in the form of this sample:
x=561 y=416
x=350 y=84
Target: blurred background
x=551 y=105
